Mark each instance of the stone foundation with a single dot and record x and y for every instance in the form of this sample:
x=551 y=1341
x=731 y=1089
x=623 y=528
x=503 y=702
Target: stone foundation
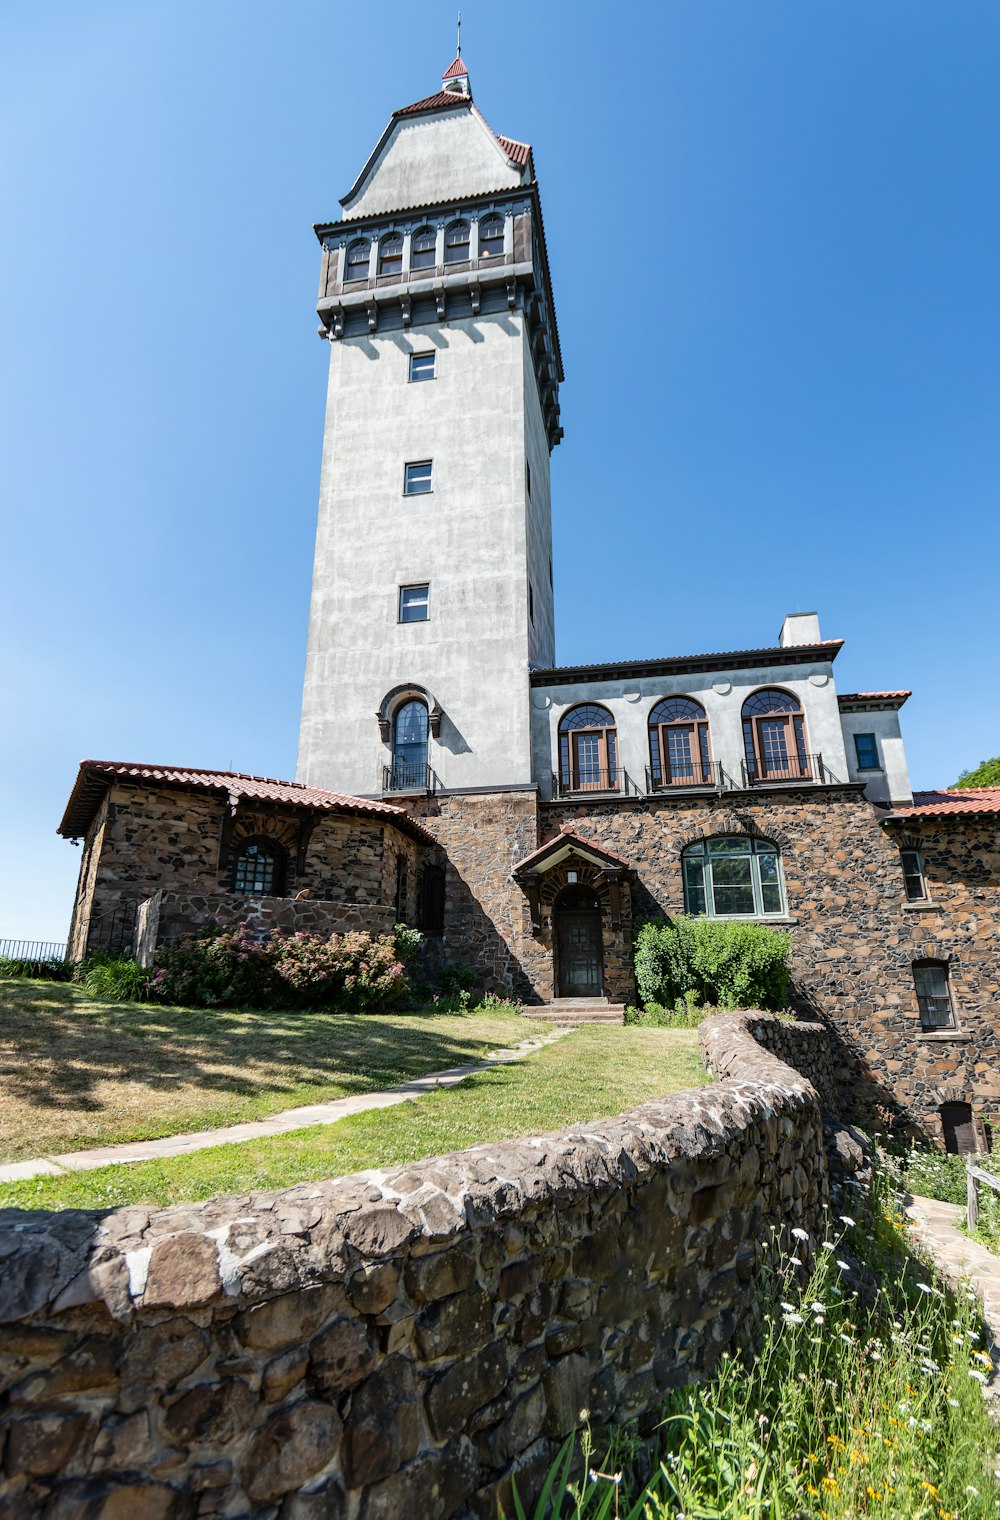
x=167 y=917
x=401 y=1342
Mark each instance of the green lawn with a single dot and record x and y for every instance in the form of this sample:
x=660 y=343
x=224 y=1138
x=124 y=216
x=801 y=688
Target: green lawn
x=76 y=1073
x=592 y=1073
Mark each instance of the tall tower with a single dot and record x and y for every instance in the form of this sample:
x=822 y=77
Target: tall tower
x=432 y=586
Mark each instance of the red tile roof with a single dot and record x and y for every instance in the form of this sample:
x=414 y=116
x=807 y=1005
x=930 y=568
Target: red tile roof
x=95 y=775
x=517 y=152
x=568 y=835
x=874 y=696
x=436 y=102
x=951 y=802
x=456 y=70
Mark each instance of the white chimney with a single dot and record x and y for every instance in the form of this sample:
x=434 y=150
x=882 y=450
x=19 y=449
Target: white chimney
x=799 y=628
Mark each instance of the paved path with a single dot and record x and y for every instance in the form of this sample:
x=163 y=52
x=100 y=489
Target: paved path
x=936 y=1226
x=275 y=1124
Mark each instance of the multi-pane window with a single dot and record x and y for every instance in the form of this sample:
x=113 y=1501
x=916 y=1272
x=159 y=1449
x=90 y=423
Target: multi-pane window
x=491 y=237
x=422 y=366
x=257 y=870
x=866 y=751
x=414 y=604
x=678 y=744
x=423 y=249
x=913 y=875
x=733 y=876
x=774 y=737
x=409 y=745
x=930 y=978
x=358 y=256
x=417 y=478
x=456 y=243
x=390 y=255
x=588 y=749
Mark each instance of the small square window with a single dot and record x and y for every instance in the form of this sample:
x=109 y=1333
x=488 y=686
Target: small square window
x=866 y=749
x=417 y=478
x=414 y=604
x=422 y=366
x=913 y=875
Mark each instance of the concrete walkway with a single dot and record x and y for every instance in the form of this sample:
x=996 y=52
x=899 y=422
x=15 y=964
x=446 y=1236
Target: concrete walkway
x=276 y=1124
x=936 y=1228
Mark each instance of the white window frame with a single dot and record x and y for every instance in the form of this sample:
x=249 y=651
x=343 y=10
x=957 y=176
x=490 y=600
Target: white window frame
x=758 y=847
x=416 y=379
x=425 y=602
x=418 y=489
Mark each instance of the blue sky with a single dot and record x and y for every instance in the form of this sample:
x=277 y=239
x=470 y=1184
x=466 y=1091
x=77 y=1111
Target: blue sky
x=789 y=399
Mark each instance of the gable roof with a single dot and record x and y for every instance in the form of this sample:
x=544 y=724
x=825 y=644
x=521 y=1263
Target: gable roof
x=950 y=802
x=456 y=70
x=95 y=776
x=568 y=842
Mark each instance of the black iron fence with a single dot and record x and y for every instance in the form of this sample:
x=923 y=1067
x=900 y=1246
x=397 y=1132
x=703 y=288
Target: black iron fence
x=113 y=932
x=408 y=776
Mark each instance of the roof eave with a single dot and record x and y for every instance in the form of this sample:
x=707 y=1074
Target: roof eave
x=741 y=659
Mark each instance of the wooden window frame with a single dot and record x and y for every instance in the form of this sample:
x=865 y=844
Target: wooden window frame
x=919 y=875
x=659 y=757
x=793 y=721
x=486 y=221
x=569 y=764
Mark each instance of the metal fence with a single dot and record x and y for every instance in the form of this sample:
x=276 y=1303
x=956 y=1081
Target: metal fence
x=33 y=949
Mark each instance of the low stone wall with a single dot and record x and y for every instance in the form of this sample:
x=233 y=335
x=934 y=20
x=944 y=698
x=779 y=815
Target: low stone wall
x=815 y=1052
x=399 y=1342
x=169 y=916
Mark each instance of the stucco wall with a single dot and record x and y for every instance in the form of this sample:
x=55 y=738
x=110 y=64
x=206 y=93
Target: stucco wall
x=399 y=1342
x=433 y=158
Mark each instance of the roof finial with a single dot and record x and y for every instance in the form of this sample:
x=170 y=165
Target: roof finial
x=458 y=50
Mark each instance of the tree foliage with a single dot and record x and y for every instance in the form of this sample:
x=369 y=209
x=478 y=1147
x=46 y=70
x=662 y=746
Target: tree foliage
x=730 y=964
x=986 y=773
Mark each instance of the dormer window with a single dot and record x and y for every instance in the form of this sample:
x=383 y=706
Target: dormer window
x=491 y=238
x=358 y=259
x=423 y=249
x=456 y=243
x=390 y=255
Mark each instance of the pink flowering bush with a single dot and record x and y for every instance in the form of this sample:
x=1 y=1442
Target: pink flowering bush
x=348 y=973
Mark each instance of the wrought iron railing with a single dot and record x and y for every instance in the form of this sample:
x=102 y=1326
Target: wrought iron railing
x=113 y=931
x=33 y=949
x=586 y=779
x=693 y=773
x=790 y=768
x=408 y=776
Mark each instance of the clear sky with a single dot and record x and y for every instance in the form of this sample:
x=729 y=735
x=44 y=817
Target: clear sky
x=774 y=229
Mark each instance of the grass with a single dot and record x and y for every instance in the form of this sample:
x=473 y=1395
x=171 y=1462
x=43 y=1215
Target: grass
x=857 y=1404
x=75 y=1072
x=590 y=1074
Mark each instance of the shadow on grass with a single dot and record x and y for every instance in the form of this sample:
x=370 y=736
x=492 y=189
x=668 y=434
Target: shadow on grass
x=57 y=1045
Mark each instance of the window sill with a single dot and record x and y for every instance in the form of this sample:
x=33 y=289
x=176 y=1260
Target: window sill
x=927 y=906
x=417 y=493
x=933 y=1036
x=747 y=918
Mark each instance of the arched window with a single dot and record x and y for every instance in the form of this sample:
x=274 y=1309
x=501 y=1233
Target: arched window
x=678 y=744
x=409 y=745
x=588 y=750
x=259 y=870
x=930 y=979
x=733 y=876
x=390 y=254
x=357 y=260
x=423 y=249
x=774 y=737
x=456 y=243
x=491 y=237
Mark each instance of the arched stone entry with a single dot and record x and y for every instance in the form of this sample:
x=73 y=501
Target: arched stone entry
x=578 y=942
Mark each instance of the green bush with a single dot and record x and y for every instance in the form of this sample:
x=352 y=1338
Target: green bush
x=114 y=979
x=44 y=971
x=733 y=965
x=683 y=1015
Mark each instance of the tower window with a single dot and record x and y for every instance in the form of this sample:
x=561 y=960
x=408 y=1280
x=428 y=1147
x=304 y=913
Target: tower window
x=258 y=870
x=456 y=243
x=930 y=978
x=409 y=746
x=913 y=875
x=491 y=237
x=422 y=366
x=414 y=604
x=527 y=475
x=417 y=478
x=358 y=258
x=531 y=601
x=423 y=249
x=866 y=750
x=390 y=255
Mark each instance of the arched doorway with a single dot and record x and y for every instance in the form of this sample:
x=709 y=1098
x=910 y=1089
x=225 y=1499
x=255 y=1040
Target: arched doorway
x=579 y=944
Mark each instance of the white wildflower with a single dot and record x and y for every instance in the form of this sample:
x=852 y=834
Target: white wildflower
x=924 y=1287
x=795 y=1261
x=846 y=1219
x=828 y=1245
x=954 y=1403
x=796 y=1319
x=846 y=1339
x=800 y=1234
x=980 y=1377
x=788 y=1308
x=818 y=1308
x=970 y=1489
x=844 y=1266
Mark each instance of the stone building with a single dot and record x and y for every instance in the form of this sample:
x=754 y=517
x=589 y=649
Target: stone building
x=525 y=814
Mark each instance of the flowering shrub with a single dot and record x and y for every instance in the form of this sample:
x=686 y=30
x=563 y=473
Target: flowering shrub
x=349 y=973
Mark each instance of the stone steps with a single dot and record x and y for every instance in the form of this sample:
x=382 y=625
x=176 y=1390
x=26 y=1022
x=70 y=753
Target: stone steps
x=576 y=1011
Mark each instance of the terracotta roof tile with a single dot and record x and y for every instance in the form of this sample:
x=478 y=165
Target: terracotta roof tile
x=455 y=71
x=873 y=696
x=517 y=152
x=951 y=802
x=436 y=102
x=94 y=775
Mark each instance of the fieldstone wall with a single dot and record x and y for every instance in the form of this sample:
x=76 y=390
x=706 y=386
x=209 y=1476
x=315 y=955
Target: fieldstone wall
x=402 y=1342
x=167 y=917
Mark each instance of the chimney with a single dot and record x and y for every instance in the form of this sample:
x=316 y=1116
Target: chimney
x=799 y=628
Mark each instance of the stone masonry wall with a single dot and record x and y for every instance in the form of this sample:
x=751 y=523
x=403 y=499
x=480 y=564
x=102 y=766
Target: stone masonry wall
x=171 y=916
x=398 y=1342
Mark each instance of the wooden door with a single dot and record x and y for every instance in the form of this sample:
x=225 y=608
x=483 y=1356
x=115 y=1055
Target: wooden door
x=581 y=959
x=959 y=1129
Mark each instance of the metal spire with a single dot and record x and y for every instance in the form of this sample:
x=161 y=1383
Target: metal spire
x=458 y=53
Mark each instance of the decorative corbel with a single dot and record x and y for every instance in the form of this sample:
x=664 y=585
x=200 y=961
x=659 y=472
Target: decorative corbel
x=434 y=717
x=337 y=330
x=384 y=728
x=407 y=306
x=226 y=836
x=476 y=293
x=512 y=294
x=306 y=826
x=614 y=875
x=440 y=303
x=532 y=888
x=371 y=306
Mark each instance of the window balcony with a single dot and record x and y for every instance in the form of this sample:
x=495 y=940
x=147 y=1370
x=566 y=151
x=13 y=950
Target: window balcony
x=687 y=774
x=783 y=769
x=408 y=776
x=591 y=781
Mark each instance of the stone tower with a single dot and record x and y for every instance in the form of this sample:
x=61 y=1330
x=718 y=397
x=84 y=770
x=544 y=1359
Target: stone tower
x=432 y=586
